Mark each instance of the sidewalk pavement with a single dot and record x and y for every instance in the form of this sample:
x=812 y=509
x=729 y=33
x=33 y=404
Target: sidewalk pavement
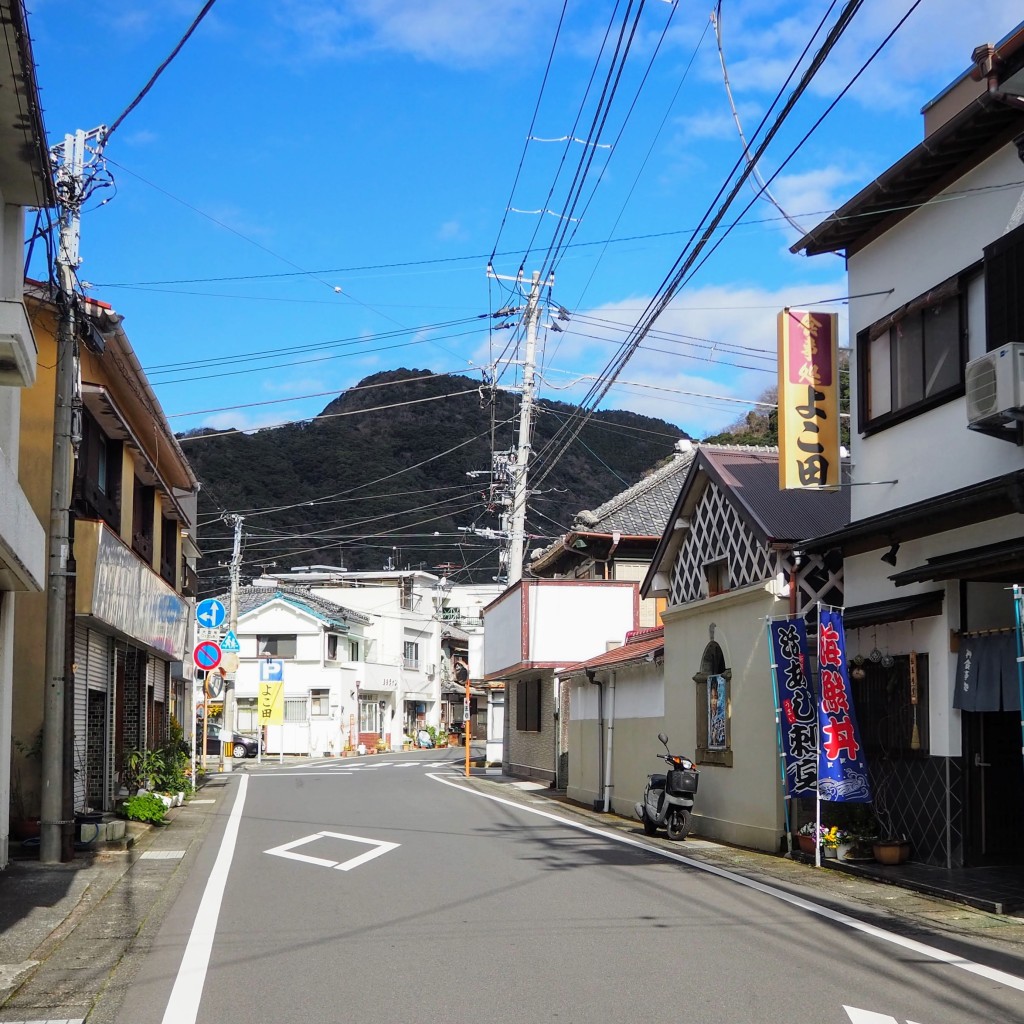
x=66 y=929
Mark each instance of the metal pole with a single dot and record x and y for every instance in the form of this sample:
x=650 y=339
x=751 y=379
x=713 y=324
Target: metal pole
x=227 y=737
x=1018 y=599
x=467 y=721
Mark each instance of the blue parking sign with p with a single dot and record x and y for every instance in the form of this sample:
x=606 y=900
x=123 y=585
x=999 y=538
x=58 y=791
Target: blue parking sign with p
x=271 y=671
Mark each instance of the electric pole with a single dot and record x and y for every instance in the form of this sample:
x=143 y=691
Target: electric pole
x=228 y=743
x=66 y=438
x=517 y=513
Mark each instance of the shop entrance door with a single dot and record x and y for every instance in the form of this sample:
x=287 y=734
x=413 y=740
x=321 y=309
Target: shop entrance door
x=995 y=786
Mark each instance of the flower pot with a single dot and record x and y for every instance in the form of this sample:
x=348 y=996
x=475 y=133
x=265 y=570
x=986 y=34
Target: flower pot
x=806 y=844
x=891 y=851
x=843 y=850
x=830 y=852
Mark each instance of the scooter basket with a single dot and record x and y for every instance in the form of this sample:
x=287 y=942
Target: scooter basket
x=681 y=781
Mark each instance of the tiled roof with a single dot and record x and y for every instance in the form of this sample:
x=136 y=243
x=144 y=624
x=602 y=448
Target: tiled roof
x=643 y=509
x=251 y=598
x=751 y=476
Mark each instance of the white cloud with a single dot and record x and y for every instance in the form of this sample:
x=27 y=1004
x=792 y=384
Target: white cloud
x=461 y=33
x=708 y=358
x=934 y=44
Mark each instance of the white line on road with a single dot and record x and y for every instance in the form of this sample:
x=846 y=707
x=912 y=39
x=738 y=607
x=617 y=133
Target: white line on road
x=989 y=973
x=183 y=1006
x=287 y=850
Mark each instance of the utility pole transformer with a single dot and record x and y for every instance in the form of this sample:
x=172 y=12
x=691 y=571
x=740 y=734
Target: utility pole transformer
x=70 y=188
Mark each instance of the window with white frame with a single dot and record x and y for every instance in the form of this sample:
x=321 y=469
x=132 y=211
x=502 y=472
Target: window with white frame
x=353 y=650
x=320 y=703
x=333 y=644
x=295 y=709
x=411 y=654
x=276 y=645
x=716 y=575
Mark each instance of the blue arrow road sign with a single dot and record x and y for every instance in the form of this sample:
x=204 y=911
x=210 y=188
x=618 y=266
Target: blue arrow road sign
x=271 y=671
x=230 y=643
x=210 y=613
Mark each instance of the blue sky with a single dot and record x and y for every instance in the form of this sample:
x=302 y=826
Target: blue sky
x=335 y=175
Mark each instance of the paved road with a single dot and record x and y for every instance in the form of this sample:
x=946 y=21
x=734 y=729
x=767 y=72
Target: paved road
x=476 y=907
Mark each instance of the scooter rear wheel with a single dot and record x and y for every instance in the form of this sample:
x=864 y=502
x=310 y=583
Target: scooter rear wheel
x=678 y=824
x=649 y=827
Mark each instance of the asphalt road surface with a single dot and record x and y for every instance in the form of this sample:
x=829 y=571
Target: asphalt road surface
x=389 y=891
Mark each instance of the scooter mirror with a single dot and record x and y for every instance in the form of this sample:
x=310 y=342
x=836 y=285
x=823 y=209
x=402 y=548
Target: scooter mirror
x=664 y=739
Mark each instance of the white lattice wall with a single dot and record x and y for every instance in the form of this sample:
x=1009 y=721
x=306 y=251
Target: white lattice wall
x=717 y=532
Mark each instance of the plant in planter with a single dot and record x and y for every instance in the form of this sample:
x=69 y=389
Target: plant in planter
x=889 y=845
x=145 y=807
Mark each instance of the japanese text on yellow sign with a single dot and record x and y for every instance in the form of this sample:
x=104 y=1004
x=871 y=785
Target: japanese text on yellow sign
x=808 y=400
x=271 y=704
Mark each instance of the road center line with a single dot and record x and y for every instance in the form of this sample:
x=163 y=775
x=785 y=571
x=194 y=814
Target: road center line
x=183 y=1005
x=989 y=973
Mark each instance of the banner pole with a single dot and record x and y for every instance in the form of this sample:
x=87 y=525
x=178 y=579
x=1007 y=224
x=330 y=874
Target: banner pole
x=778 y=740
x=817 y=775
x=1018 y=598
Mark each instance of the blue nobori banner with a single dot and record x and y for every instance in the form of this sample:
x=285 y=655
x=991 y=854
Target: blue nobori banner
x=842 y=769
x=797 y=723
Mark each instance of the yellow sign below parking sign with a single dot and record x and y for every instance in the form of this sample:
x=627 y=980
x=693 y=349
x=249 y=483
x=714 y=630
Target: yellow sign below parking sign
x=271 y=704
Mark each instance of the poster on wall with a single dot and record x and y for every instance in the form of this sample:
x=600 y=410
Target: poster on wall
x=798 y=725
x=717 y=702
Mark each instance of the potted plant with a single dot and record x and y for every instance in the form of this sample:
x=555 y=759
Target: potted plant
x=808 y=837
x=889 y=846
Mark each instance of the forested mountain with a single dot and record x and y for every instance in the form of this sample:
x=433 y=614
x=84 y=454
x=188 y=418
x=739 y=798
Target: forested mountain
x=381 y=475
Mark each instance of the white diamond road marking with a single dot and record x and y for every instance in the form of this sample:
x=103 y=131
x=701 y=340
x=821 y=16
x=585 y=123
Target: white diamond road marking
x=162 y=855
x=202 y=801
x=345 y=865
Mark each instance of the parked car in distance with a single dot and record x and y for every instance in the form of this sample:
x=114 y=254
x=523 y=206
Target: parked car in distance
x=241 y=746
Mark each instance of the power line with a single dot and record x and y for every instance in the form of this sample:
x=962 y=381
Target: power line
x=156 y=74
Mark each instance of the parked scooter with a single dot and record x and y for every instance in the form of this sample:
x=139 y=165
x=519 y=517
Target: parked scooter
x=668 y=799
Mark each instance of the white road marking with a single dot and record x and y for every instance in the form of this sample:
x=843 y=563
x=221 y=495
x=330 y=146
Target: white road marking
x=347 y=865
x=870 y=1017
x=162 y=855
x=183 y=1005
x=202 y=801
x=934 y=953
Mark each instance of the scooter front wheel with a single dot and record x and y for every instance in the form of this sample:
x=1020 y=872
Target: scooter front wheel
x=678 y=824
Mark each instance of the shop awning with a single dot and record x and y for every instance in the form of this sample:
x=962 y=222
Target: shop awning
x=991 y=563
x=898 y=609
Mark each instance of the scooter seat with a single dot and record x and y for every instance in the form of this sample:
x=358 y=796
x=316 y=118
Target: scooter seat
x=657 y=782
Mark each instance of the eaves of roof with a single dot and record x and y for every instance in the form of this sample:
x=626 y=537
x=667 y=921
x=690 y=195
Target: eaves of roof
x=967 y=139
x=976 y=503
x=642 y=649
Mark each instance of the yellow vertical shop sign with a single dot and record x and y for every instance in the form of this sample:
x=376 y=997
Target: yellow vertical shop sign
x=271 y=704
x=808 y=400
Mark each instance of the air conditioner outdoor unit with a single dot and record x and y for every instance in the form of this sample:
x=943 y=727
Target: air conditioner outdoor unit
x=995 y=386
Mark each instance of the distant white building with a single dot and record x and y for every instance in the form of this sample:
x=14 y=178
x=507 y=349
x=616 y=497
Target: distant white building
x=367 y=655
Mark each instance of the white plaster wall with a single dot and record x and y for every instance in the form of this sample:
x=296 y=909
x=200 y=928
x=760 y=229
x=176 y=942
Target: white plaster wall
x=934 y=452
x=503 y=632
x=573 y=622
